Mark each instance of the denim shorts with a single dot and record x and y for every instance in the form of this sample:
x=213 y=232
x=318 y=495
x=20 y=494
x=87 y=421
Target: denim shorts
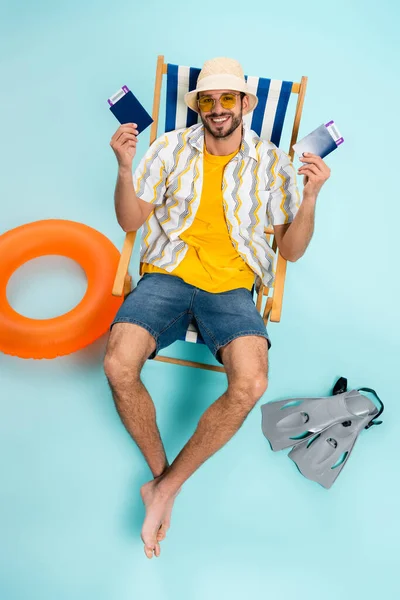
x=165 y=305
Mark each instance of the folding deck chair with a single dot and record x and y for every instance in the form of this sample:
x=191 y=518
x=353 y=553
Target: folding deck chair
x=267 y=121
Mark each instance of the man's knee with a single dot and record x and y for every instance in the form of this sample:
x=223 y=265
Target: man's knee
x=117 y=367
x=258 y=387
x=128 y=349
x=248 y=390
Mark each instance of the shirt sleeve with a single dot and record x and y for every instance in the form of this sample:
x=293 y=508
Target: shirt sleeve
x=284 y=199
x=150 y=176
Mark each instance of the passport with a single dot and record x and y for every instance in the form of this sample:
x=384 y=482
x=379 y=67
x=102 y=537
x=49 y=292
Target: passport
x=127 y=109
x=322 y=141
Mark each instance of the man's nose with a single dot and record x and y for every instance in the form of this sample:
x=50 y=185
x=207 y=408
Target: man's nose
x=217 y=103
x=218 y=108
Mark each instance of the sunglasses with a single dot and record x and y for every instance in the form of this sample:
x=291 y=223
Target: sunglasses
x=206 y=103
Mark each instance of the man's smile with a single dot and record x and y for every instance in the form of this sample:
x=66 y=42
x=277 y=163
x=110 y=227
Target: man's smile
x=220 y=120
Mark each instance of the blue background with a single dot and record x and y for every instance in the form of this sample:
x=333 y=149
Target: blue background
x=247 y=524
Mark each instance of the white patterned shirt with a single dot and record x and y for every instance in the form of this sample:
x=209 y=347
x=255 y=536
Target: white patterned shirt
x=259 y=190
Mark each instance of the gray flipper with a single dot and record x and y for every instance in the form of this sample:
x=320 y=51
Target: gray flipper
x=289 y=422
x=322 y=458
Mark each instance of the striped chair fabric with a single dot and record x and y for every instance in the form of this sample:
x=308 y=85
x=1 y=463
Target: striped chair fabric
x=266 y=120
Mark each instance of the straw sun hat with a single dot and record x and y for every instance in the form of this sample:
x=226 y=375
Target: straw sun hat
x=221 y=74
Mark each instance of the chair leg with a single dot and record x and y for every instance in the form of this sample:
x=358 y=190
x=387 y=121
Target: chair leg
x=260 y=295
x=267 y=310
x=127 y=285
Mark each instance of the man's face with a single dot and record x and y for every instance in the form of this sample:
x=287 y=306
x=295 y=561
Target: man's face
x=221 y=122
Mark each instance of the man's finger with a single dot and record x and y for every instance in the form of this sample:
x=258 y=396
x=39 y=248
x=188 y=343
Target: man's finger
x=119 y=143
x=122 y=128
x=127 y=128
x=126 y=136
x=312 y=159
x=127 y=144
x=319 y=164
x=132 y=132
x=310 y=169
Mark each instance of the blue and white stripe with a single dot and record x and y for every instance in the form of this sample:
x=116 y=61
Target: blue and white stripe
x=180 y=80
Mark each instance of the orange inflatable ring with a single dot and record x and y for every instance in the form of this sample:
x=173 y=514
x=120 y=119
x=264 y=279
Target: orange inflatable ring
x=48 y=338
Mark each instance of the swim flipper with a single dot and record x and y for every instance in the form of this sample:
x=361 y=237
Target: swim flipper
x=289 y=422
x=323 y=457
x=323 y=431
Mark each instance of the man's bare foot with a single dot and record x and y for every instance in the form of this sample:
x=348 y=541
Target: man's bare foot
x=166 y=522
x=158 y=506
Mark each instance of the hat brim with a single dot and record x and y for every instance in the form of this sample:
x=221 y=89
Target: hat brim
x=223 y=81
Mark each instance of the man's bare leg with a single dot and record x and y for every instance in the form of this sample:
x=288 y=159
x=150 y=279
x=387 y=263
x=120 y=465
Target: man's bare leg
x=246 y=363
x=128 y=348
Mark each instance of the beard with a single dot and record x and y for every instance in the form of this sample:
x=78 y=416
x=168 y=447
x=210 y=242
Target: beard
x=219 y=133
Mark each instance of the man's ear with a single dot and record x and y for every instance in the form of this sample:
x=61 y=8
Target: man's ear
x=245 y=103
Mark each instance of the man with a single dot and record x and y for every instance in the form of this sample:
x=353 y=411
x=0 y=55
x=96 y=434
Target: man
x=204 y=195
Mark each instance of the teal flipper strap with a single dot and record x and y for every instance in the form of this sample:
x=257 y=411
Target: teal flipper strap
x=382 y=407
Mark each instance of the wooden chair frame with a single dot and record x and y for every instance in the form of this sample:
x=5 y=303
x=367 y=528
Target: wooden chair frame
x=273 y=305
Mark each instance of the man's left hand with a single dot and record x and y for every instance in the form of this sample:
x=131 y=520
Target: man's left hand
x=316 y=172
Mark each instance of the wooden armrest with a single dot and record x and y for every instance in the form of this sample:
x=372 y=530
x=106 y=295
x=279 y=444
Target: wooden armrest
x=279 y=286
x=122 y=271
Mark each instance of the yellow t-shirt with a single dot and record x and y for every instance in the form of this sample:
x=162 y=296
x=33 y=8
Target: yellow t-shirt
x=211 y=262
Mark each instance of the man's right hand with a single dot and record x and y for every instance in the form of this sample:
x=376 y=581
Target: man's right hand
x=123 y=142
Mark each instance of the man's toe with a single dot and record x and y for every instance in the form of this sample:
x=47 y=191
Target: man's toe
x=162 y=532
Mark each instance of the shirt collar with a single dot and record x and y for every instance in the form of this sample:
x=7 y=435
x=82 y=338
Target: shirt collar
x=247 y=148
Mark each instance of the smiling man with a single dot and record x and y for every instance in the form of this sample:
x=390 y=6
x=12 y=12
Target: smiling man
x=221 y=126
x=204 y=195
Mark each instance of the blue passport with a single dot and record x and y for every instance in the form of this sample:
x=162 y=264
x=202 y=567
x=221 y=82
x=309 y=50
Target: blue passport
x=127 y=109
x=322 y=141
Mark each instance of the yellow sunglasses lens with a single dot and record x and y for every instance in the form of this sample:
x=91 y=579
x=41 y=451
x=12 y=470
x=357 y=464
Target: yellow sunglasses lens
x=206 y=103
x=228 y=101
